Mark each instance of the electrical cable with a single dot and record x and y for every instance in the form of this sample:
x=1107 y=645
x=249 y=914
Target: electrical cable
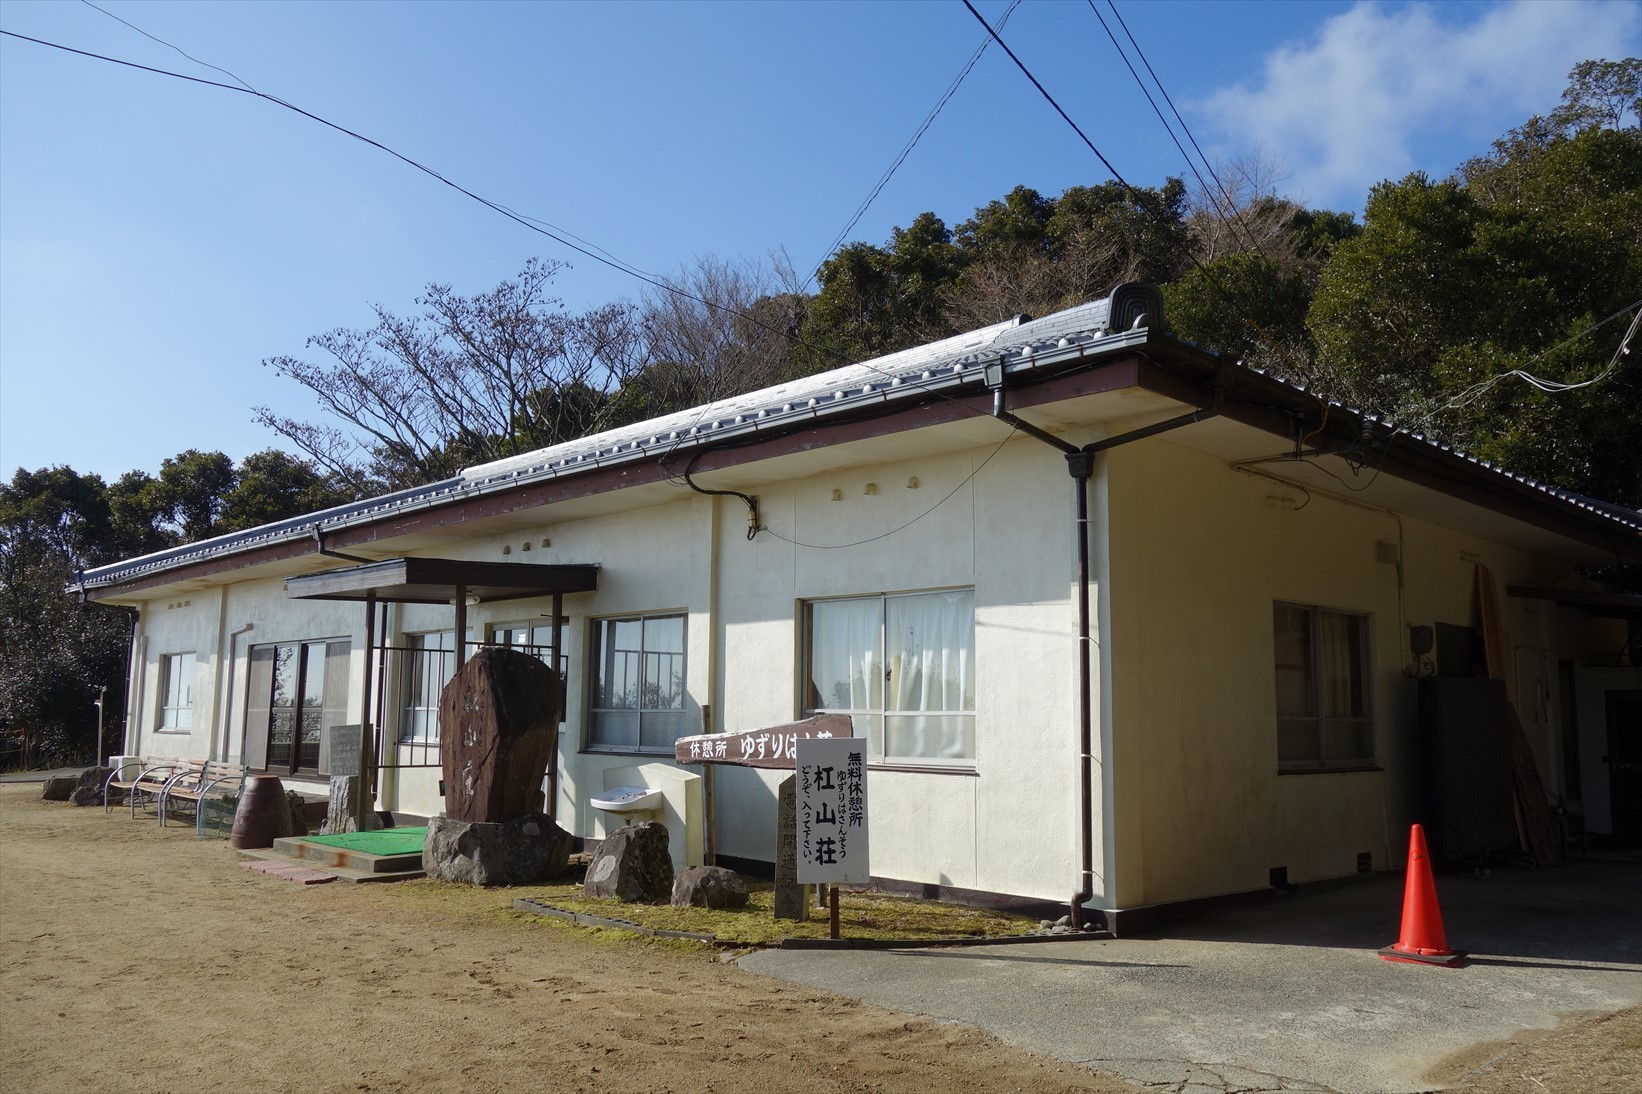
x=906 y=149
x=1224 y=195
x=1134 y=196
x=171 y=46
x=532 y=224
x=903 y=527
x=1224 y=192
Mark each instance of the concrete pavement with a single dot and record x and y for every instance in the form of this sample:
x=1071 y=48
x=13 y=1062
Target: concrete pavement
x=1282 y=997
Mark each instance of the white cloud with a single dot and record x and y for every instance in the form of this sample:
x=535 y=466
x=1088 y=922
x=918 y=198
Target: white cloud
x=1380 y=92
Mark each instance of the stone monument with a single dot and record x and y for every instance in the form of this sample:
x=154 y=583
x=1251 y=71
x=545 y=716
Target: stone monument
x=499 y=736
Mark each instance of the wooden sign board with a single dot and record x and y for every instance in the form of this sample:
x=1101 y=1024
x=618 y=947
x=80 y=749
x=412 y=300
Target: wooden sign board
x=774 y=747
x=832 y=811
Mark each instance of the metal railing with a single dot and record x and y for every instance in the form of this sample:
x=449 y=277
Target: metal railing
x=409 y=681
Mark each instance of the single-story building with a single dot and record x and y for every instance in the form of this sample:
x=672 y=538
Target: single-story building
x=1126 y=623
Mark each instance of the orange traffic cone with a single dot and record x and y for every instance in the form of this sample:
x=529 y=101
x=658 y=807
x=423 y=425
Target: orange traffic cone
x=1422 y=941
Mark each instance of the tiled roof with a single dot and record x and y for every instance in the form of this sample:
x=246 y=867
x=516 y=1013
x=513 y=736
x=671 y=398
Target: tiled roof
x=933 y=370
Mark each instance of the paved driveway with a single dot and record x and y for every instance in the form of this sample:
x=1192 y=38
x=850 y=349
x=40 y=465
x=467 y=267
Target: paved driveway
x=1287 y=997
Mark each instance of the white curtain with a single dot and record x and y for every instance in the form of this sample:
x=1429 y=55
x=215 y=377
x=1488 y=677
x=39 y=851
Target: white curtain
x=931 y=639
x=846 y=661
x=1342 y=661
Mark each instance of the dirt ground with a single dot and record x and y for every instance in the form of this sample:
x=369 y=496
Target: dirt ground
x=138 y=959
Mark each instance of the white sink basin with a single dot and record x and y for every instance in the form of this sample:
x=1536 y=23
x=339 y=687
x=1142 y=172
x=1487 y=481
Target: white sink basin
x=629 y=799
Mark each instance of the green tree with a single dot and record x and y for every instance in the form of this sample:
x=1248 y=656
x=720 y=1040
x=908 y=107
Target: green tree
x=55 y=650
x=876 y=300
x=1455 y=288
x=274 y=485
x=194 y=487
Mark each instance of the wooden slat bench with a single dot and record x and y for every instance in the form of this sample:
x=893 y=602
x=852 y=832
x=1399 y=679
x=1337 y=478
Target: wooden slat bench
x=190 y=787
x=139 y=778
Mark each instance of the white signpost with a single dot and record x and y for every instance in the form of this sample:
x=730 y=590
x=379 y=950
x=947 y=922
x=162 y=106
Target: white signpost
x=832 y=814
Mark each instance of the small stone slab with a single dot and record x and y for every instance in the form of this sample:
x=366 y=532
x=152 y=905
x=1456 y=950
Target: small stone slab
x=792 y=899
x=302 y=875
x=709 y=887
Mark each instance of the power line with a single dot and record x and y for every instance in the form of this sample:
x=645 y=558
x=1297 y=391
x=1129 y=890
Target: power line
x=1224 y=195
x=172 y=46
x=906 y=149
x=1134 y=195
x=564 y=239
x=534 y=225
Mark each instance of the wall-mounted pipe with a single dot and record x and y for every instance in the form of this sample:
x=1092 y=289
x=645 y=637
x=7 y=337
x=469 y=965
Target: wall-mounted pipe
x=226 y=697
x=1080 y=463
x=319 y=545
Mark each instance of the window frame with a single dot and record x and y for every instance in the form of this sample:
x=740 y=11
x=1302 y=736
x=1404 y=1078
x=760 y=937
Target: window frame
x=876 y=719
x=413 y=684
x=596 y=656
x=327 y=708
x=178 y=669
x=1359 y=720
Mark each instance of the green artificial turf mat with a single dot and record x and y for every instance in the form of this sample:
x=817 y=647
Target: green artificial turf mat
x=385 y=841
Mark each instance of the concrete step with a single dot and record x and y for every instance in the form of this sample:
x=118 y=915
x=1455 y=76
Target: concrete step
x=342 y=872
x=299 y=848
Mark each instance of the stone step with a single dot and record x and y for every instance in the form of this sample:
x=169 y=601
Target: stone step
x=342 y=872
x=299 y=848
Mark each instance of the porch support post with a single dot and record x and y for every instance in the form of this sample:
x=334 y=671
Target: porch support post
x=461 y=626
x=551 y=798
x=367 y=744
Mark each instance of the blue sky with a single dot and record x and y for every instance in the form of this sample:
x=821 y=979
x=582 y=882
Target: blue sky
x=159 y=239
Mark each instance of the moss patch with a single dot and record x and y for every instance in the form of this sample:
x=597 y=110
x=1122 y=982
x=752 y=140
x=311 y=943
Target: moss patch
x=860 y=915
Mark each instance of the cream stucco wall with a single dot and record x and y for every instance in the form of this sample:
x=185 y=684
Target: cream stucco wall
x=1188 y=801
x=1199 y=553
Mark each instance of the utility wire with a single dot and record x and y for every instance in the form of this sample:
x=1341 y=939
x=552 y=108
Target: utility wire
x=1134 y=196
x=1221 y=188
x=530 y=223
x=563 y=239
x=171 y=46
x=906 y=150
x=901 y=527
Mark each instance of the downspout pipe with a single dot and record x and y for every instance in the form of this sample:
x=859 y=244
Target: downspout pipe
x=319 y=545
x=1080 y=463
x=226 y=695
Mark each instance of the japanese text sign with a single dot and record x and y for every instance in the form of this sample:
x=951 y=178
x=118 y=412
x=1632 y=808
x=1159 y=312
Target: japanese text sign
x=832 y=810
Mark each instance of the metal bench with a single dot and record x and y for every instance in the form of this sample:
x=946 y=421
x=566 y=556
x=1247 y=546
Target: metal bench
x=149 y=779
x=190 y=787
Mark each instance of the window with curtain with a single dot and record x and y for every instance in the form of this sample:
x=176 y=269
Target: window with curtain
x=637 y=700
x=902 y=666
x=1322 y=665
x=176 y=691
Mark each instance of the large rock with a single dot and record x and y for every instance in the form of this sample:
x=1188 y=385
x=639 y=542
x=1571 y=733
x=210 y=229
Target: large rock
x=499 y=724
x=709 y=887
x=95 y=777
x=525 y=851
x=632 y=864
x=89 y=790
x=59 y=788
